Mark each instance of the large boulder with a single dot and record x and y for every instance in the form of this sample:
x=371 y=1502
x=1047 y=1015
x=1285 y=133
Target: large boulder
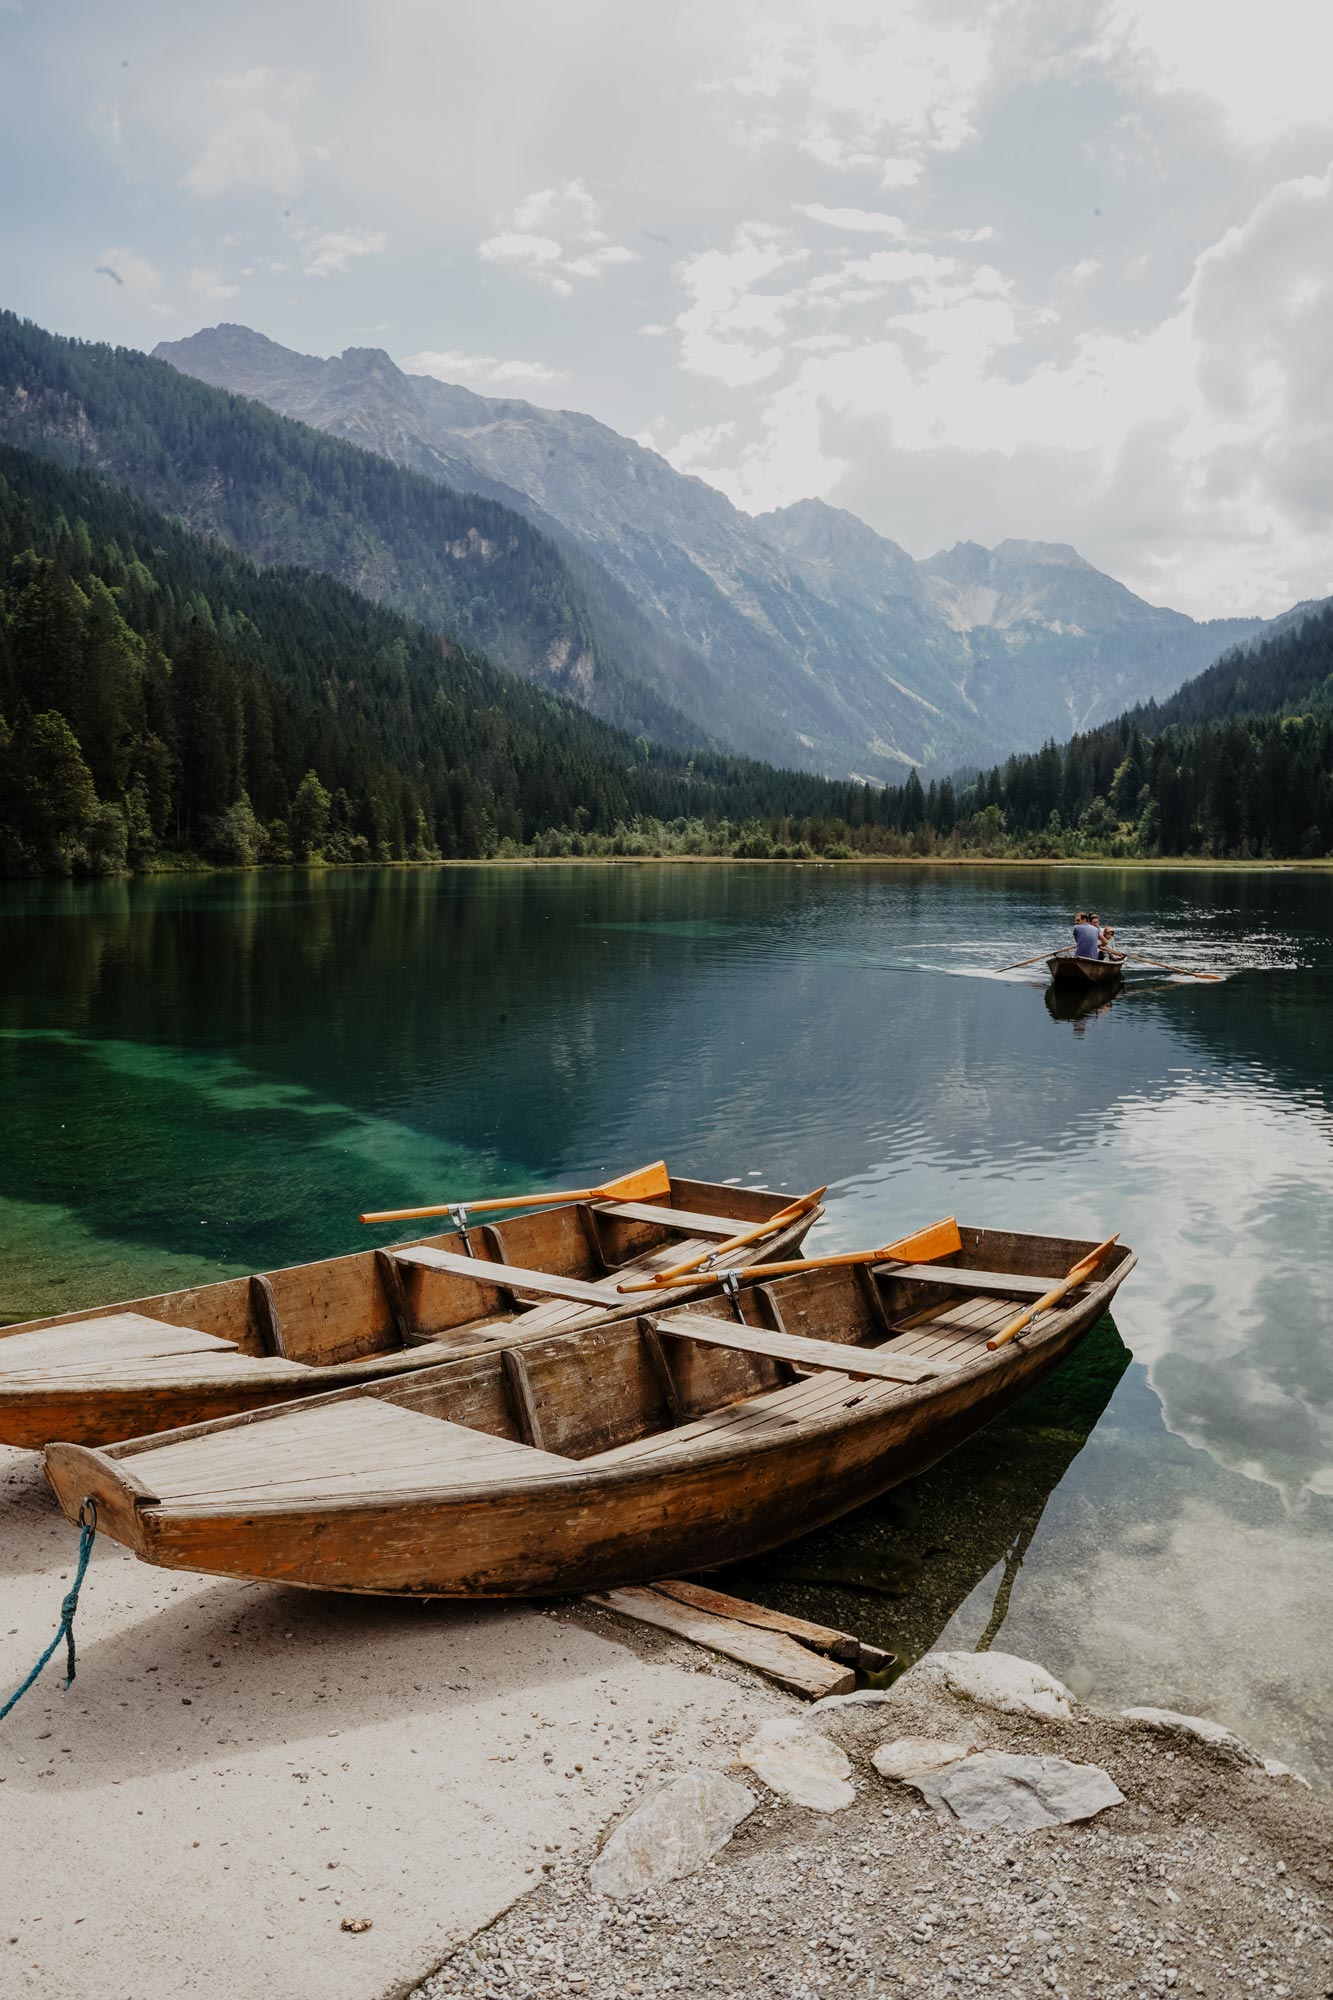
x=672 y=1833
x=994 y=1680
x=800 y=1765
x=1015 y=1794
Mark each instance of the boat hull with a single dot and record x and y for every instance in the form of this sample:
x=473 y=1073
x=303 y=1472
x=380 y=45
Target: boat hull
x=1078 y=972
x=673 y=1511
x=335 y=1324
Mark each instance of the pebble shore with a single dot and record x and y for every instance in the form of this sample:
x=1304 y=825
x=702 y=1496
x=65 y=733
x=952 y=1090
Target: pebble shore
x=1213 y=1877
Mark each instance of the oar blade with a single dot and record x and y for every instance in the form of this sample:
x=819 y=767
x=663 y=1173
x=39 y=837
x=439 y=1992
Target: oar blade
x=644 y=1184
x=924 y=1246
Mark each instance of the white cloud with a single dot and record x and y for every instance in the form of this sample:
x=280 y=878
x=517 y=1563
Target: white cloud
x=488 y=371
x=861 y=91
x=866 y=221
x=253 y=84
x=330 y=253
x=1267 y=76
x=251 y=149
x=555 y=236
x=730 y=326
x=209 y=286
x=1167 y=450
x=694 y=449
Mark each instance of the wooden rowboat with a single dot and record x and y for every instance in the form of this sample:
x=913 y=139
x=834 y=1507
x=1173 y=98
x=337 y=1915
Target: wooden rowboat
x=185 y=1357
x=1065 y=969
x=619 y=1453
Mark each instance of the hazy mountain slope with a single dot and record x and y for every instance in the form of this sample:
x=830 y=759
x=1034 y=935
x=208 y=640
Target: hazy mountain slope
x=285 y=493
x=1290 y=672
x=1027 y=631
x=817 y=631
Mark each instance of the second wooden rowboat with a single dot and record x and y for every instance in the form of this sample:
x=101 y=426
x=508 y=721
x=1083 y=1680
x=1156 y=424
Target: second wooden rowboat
x=185 y=1357
x=1066 y=970
x=620 y=1453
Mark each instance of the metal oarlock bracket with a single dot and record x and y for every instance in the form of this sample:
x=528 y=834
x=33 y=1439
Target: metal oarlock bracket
x=731 y=1284
x=458 y=1216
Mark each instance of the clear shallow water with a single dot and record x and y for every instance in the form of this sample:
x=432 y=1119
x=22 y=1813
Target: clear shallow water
x=209 y=1075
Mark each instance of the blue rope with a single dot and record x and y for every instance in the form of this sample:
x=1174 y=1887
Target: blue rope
x=69 y=1604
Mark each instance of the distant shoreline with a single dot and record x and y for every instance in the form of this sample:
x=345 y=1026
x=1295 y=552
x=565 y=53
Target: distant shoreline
x=1137 y=864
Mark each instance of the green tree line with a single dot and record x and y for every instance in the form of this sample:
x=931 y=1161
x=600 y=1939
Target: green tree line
x=161 y=697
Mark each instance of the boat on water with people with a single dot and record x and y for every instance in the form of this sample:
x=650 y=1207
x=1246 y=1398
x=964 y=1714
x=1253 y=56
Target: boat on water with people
x=213 y=1350
x=1067 y=969
x=633 y=1448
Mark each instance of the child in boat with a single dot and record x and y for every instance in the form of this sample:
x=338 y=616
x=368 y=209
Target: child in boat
x=1087 y=937
x=1106 y=938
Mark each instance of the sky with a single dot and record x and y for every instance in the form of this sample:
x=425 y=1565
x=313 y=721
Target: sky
x=1053 y=269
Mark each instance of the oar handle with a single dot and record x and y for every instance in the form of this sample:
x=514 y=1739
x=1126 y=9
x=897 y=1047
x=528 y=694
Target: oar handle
x=709 y=1258
x=1083 y=1269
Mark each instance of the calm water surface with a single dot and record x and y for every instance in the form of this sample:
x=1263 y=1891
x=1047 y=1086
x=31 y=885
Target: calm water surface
x=205 y=1076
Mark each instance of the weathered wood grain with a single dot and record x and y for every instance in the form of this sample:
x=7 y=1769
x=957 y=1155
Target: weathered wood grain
x=775 y=1655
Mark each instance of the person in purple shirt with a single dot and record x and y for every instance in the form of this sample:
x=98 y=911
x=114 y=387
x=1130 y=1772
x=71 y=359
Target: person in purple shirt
x=1087 y=936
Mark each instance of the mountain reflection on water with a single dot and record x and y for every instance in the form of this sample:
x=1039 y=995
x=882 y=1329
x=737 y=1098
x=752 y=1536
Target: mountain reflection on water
x=206 y=1075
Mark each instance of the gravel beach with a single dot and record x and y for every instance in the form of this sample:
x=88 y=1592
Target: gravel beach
x=1212 y=1877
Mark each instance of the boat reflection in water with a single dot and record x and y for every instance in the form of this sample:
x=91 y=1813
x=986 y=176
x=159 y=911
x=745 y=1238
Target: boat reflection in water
x=896 y=1571
x=1079 y=1003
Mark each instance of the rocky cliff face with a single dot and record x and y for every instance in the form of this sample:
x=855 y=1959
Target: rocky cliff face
x=800 y=635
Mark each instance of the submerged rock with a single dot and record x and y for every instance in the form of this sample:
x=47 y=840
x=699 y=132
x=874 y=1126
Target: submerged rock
x=995 y=1680
x=911 y=1757
x=801 y=1765
x=998 y=1789
x=1194 y=1729
x=672 y=1833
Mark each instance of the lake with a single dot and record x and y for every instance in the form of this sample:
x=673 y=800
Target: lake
x=208 y=1075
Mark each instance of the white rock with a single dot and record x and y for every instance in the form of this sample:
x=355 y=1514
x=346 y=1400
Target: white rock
x=908 y=1757
x=672 y=1833
x=996 y=1680
x=1018 y=1794
x=1194 y=1729
x=801 y=1765
x=858 y=1698
x=1276 y=1769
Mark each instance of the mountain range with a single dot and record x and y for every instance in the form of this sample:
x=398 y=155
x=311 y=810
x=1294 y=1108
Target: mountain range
x=799 y=635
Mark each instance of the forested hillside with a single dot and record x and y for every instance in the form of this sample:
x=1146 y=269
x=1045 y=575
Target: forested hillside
x=283 y=493
x=1238 y=764
x=159 y=696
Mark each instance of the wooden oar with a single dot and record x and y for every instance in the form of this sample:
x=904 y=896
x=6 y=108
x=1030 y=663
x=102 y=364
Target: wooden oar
x=1059 y=951
x=791 y=1213
x=941 y=1239
x=1083 y=1269
x=642 y=1185
x=1186 y=971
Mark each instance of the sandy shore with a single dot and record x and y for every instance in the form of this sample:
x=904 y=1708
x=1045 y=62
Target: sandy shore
x=239 y=1771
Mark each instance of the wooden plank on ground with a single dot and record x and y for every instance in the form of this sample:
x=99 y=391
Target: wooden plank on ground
x=843 y=1646
x=772 y=1654
x=860 y=1363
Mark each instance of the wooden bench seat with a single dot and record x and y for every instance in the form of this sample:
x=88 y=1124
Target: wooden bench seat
x=861 y=1363
x=509 y=1277
x=712 y=1226
x=1004 y=1284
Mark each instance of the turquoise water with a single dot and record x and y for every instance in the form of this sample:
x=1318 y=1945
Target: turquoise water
x=208 y=1075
